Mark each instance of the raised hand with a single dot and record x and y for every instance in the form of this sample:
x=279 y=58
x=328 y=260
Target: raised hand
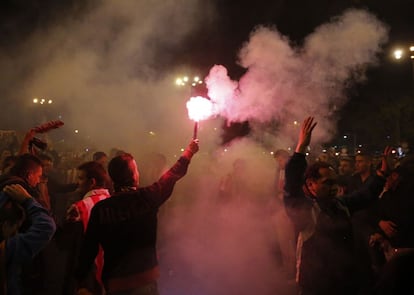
x=387 y=162
x=388 y=227
x=305 y=134
x=191 y=149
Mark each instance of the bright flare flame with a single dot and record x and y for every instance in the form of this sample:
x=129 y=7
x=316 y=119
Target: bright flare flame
x=199 y=108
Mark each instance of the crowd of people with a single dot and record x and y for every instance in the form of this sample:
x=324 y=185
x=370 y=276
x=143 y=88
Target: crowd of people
x=343 y=225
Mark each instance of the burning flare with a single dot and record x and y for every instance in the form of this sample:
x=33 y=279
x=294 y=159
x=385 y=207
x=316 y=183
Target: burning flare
x=199 y=108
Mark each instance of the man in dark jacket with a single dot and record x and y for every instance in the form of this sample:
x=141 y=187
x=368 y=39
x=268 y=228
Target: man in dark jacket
x=325 y=258
x=125 y=225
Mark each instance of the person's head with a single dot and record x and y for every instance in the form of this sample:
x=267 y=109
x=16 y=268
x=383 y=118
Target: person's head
x=91 y=175
x=47 y=163
x=323 y=157
x=346 y=166
x=101 y=158
x=363 y=163
x=12 y=216
x=29 y=168
x=321 y=180
x=402 y=175
x=123 y=171
x=8 y=163
x=281 y=157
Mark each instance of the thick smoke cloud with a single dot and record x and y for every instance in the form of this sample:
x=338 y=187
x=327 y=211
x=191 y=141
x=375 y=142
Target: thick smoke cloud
x=104 y=72
x=286 y=83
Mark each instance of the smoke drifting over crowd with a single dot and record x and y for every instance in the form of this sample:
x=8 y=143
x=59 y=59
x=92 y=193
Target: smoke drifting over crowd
x=100 y=71
x=286 y=83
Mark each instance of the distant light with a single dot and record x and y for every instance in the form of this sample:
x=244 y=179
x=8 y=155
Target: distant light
x=272 y=153
x=76 y=131
x=194 y=84
x=225 y=150
x=179 y=82
x=289 y=148
x=295 y=122
x=182 y=149
x=196 y=79
x=411 y=48
x=323 y=151
x=185 y=79
x=49 y=101
x=393 y=151
x=86 y=150
x=360 y=145
x=152 y=133
x=307 y=153
x=337 y=154
x=345 y=136
x=215 y=128
x=398 y=53
x=200 y=82
x=35 y=100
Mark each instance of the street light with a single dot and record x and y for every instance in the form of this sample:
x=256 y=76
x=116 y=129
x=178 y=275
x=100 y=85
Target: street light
x=43 y=110
x=403 y=53
x=186 y=81
x=42 y=101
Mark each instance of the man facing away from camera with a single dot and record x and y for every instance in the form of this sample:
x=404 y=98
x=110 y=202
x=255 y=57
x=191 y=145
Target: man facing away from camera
x=125 y=225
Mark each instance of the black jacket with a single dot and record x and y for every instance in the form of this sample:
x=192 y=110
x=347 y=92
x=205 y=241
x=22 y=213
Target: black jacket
x=125 y=225
x=326 y=260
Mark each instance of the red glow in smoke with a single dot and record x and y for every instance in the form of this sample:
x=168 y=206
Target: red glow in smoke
x=199 y=108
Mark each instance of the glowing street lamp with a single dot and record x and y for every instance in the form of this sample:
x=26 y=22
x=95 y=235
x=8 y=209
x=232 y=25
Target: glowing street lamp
x=186 y=81
x=403 y=53
x=42 y=101
x=398 y=53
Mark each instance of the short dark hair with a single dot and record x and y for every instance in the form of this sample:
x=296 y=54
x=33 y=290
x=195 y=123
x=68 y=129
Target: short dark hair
x=365 y=155
x=96 y=171
x=98 y=155
x=312 y=172
x=347 y=159
x=121 y=171
x=24 y=164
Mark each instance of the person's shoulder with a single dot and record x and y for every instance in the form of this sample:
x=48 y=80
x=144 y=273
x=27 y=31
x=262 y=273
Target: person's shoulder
x=113 y=199
x=7 y=180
